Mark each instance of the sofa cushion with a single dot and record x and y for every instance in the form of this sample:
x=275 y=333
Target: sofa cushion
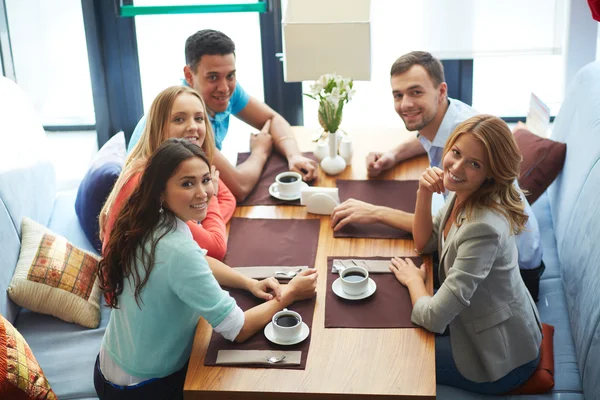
x=97 y=185
x=543 y=214
x=543 y=160
x=21 y=377
x=542 y=379
x=66 y=352
x=54 y=277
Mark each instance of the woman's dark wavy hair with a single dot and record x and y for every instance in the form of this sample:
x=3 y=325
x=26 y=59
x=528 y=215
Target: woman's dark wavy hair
x=140 y=223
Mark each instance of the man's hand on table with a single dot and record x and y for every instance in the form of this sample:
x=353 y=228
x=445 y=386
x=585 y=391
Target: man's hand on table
x=304 y=166
x=303 y=286
x=377 y=162
x=353 y=211
x=262 y=141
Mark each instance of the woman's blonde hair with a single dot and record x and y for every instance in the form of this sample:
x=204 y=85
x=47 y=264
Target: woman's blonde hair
x=155 y=133
x=504 y=160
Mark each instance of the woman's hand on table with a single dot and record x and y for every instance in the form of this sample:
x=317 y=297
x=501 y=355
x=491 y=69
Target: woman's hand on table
x=353 y=211
x=303 y=286
x=406 y=271
x=261 y=289
x=432 y=181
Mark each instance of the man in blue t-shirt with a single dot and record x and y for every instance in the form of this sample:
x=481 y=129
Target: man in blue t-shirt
x=210 y=69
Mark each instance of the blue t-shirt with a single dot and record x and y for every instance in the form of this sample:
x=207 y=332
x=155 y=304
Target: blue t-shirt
x=220 y=122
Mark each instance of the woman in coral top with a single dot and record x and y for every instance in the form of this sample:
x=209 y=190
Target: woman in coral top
x=177 y=112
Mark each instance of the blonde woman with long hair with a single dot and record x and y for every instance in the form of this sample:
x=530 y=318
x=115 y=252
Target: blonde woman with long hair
x=177 y=112
x=495 y=330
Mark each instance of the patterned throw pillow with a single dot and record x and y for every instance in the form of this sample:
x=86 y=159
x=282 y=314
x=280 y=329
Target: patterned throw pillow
x=56 y=278
x=20 y=374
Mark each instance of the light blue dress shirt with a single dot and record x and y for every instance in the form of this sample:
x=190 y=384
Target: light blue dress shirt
x=528 y=242
x=220 y=122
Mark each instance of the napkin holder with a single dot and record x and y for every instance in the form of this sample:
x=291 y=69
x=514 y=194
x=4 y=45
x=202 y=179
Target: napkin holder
x=319 y=200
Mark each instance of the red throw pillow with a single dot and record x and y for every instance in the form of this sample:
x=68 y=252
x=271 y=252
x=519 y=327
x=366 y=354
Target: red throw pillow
x=21 y=377
x=543 y=159
x=542 y=380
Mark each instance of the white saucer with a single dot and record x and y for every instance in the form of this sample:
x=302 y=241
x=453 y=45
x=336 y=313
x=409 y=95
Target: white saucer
x=274 y=191
x=337 y=289
x=271 y=335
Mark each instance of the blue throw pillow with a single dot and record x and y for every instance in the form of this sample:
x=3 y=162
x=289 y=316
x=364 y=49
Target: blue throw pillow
x=97 y=184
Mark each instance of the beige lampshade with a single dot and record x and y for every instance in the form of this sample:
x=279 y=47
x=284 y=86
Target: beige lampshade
x=326 y=36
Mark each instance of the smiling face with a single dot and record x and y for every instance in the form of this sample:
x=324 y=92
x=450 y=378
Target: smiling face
x=465 y=166
x=214 y=79
x=416 y=99
x=187 y=119
x=189 y=190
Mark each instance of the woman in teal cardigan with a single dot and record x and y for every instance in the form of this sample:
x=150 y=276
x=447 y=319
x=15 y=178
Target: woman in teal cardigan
x=160 y=283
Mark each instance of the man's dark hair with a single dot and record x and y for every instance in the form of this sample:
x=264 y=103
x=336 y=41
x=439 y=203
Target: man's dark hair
x=432 y=65
x=206 y=41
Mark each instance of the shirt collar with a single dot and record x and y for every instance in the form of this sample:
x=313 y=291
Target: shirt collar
x=183 y=228
x=446 y=125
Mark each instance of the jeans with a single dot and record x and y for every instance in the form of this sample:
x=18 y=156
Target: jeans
x=447 y=373
x=167 y=388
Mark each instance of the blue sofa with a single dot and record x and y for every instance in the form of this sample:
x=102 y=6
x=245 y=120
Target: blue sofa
x=65 y=351
x=569 y=218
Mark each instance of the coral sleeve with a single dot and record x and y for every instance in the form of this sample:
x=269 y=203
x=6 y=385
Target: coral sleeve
x=121 y=199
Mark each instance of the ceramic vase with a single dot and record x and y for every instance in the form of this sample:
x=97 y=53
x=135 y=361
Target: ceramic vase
x=333 y=164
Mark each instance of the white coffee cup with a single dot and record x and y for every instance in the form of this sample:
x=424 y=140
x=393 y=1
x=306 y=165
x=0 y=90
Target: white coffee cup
x=287 y=324
x=355 y=280
x=289 y=183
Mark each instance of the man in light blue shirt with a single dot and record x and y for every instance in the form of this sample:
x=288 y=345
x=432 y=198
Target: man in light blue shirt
x=420 y=99
x=210 y=69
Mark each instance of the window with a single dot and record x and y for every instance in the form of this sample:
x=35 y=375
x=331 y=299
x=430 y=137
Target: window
x=50 y=59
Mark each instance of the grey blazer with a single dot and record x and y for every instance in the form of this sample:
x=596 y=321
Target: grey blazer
x=494 y=323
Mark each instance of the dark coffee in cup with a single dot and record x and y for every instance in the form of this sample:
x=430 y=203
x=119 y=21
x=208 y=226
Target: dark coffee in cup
x=287 y=321
x=354 y=276
x=288 y=179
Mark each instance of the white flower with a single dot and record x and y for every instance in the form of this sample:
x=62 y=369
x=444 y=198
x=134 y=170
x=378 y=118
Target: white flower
x=335 y=96
x=316 y=88
x=351 y=93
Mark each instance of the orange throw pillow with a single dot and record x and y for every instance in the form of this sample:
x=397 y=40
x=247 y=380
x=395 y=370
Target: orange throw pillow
x=21 y=377
x=542 y=380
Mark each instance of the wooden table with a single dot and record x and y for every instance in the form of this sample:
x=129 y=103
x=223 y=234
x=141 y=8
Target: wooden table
x=342 y=363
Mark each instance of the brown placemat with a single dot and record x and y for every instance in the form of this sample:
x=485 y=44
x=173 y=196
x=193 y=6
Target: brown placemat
x=389 y=307
x=275 y=165
x=400 y=195
x=246 y=300
x=258 y=241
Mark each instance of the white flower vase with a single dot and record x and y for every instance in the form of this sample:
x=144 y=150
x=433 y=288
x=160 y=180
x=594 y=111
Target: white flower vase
x=321 y=149
x=333 y=164
x=346 y=149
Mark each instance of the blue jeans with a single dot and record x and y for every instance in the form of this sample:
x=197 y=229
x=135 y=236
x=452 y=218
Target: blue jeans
x=167 y=388
x=447 y=373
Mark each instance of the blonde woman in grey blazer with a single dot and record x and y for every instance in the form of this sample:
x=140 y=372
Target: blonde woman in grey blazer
x=495 y=331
